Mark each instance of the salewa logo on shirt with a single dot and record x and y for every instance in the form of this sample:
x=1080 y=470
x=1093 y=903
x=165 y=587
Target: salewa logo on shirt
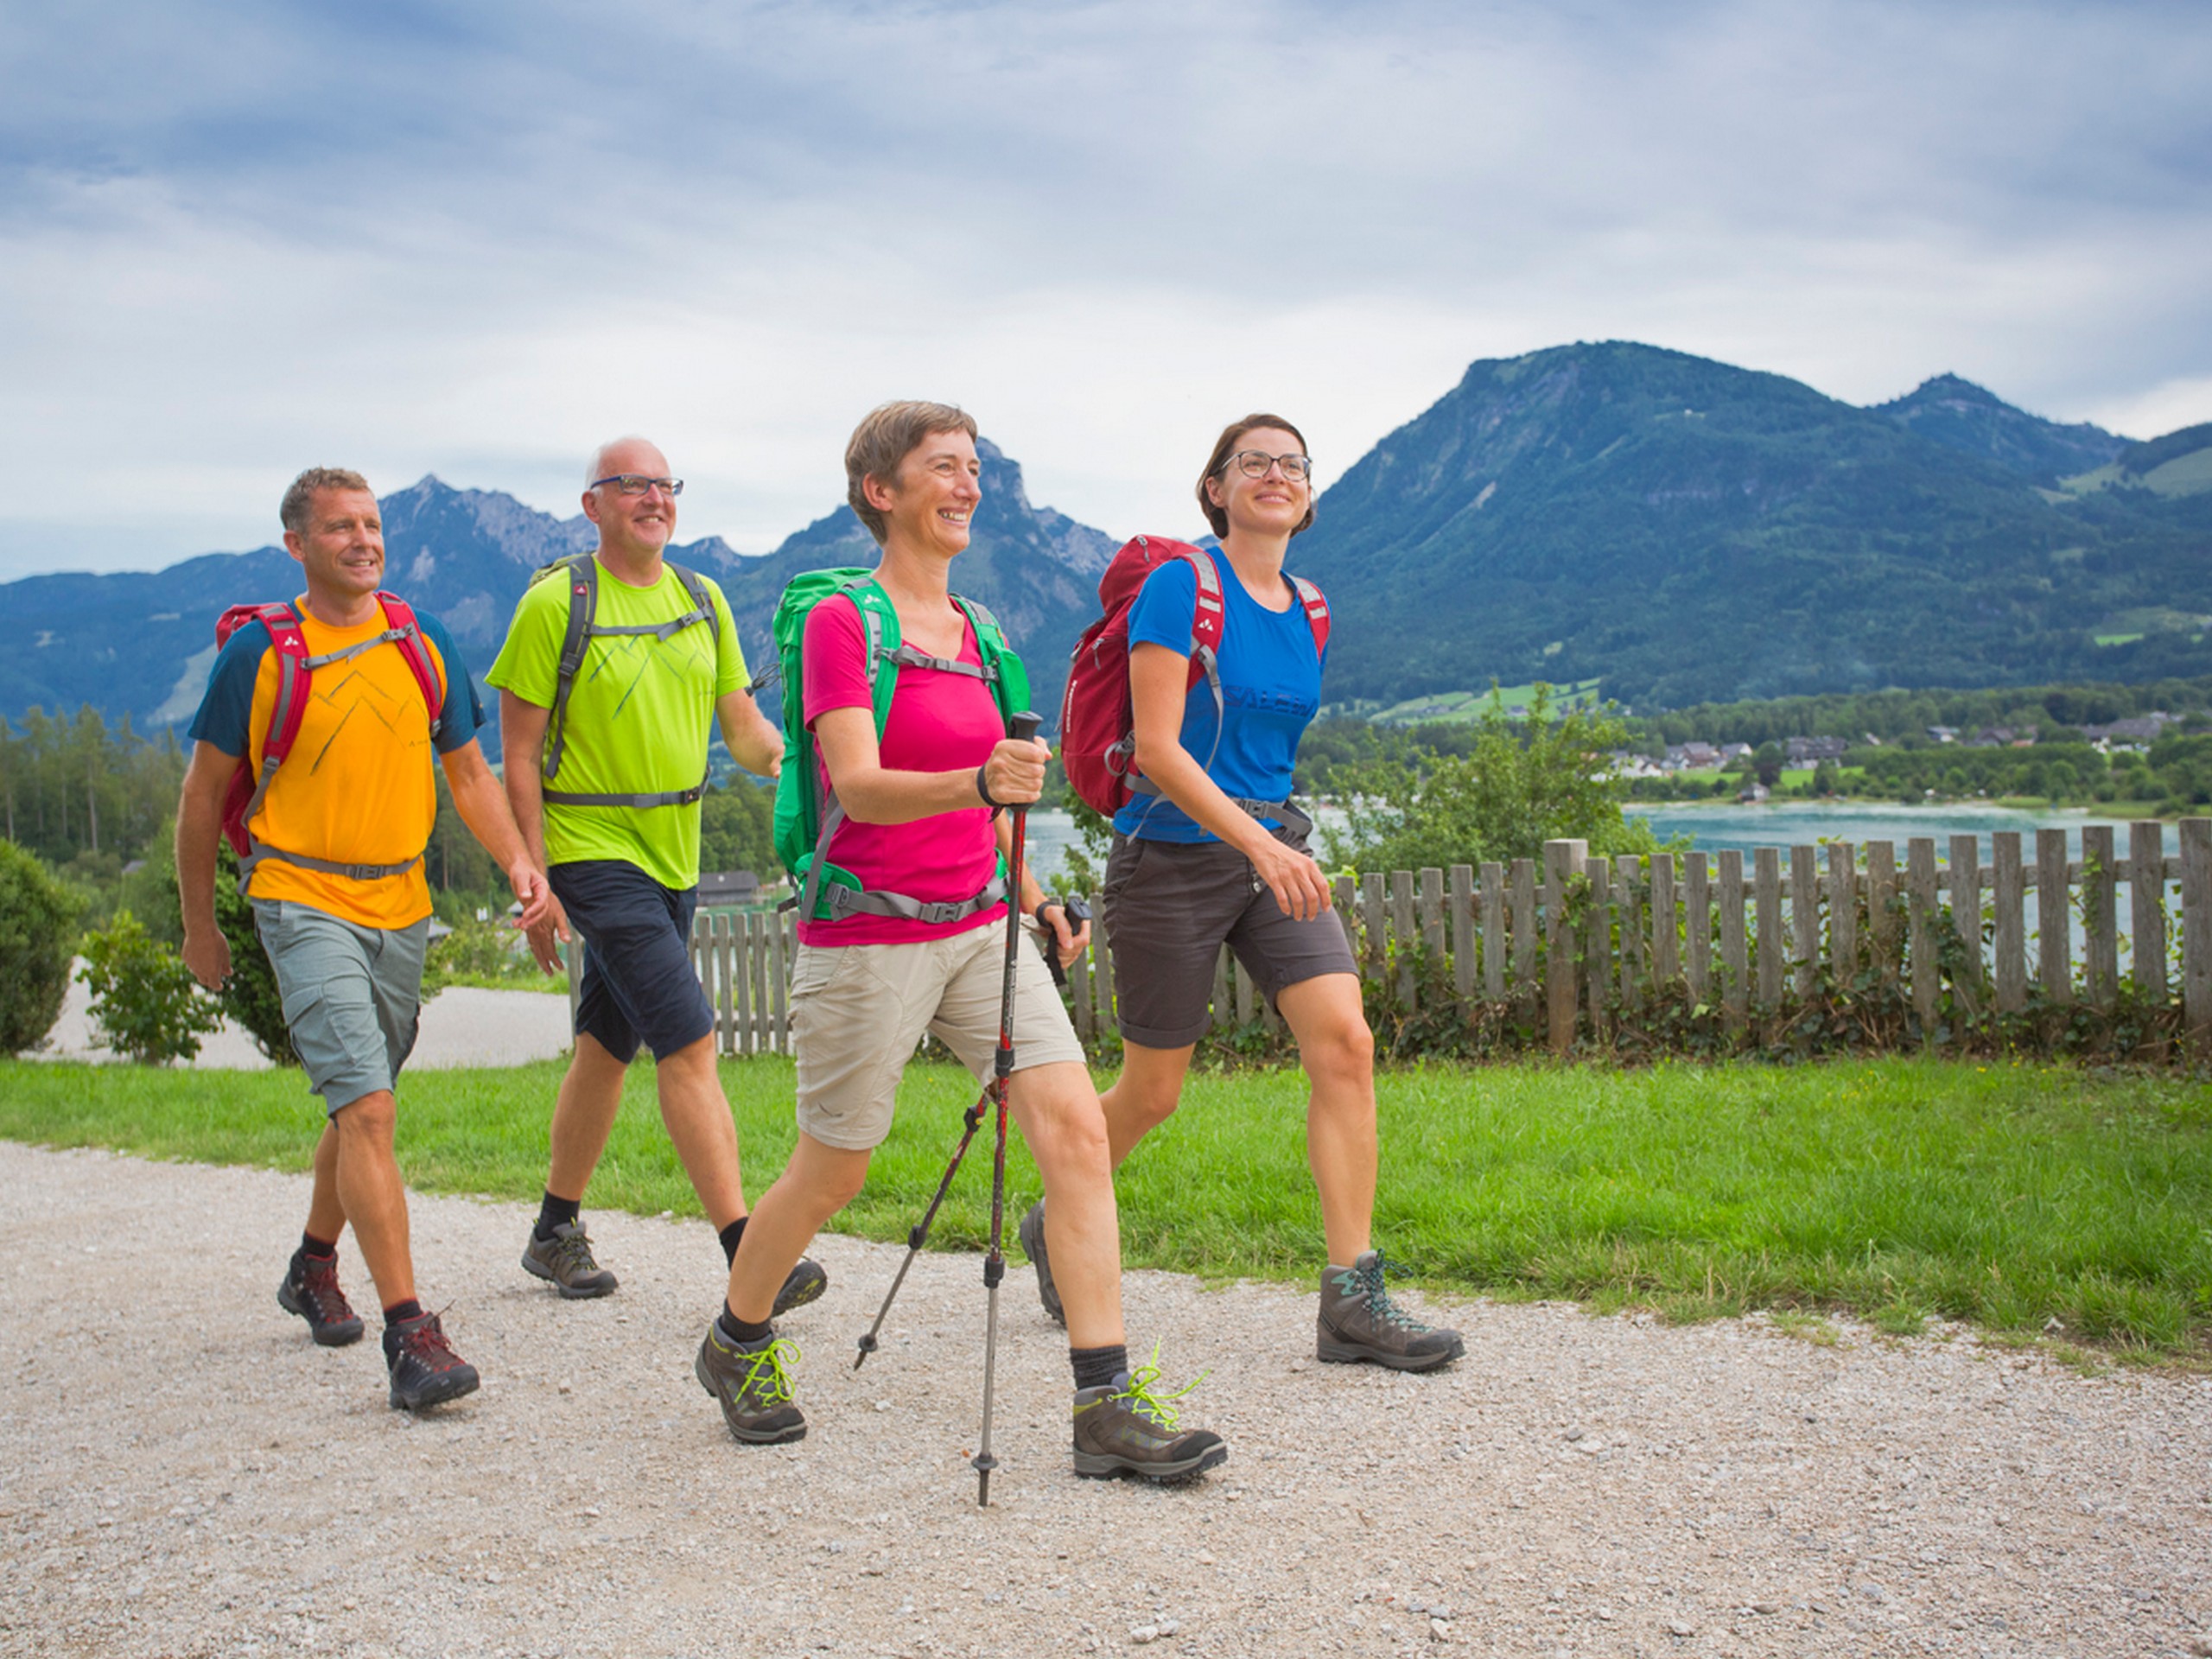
x=1269 y=700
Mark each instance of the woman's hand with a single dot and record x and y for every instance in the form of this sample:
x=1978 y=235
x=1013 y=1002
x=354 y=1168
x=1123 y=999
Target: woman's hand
x=1294 y=879
x=1014 y=774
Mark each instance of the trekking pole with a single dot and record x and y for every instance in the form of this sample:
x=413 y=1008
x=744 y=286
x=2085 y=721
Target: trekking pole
x=1078 y=913
x=1023 y=725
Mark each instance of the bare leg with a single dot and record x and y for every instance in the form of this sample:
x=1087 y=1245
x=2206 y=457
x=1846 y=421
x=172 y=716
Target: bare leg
x=325 y=1215
x=374 y=1197
x=697 y=1112
x=1066 y=1134
x=1143 y=1097
x=583 y=1116
x=1338 y=1051
x=818 y=1182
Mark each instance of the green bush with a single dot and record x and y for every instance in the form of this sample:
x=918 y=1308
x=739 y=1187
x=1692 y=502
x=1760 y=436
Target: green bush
x=38 y=925
x=251 y=998
x=145 y=1003
x=488 y=952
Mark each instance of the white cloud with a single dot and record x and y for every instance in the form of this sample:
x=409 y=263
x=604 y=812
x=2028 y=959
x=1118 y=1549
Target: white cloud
x=235 y=242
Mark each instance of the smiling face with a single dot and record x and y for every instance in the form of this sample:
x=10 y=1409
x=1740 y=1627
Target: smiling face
x=342 y=547
x=634 y=526
x=931 y=501
x=1271 y=505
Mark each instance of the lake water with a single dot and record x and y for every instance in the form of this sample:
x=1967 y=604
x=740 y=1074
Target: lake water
x=1714 y=827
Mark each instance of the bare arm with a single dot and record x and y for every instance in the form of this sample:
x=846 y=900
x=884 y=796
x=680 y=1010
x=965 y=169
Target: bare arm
x=522 y=744
x=483 y=807
x=198 y=839
x=1158 y=683
x=872 y=793
x=753 y=743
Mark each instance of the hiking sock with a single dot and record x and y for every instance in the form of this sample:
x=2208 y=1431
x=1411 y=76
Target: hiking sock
x=400 y=1312
x=1094 y=1368
x=555 y=1212
x=744 y=1333
x=730 y=1236
x=321 y=1249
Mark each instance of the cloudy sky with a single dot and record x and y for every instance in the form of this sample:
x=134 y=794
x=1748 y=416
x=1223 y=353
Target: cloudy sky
x=239 y=239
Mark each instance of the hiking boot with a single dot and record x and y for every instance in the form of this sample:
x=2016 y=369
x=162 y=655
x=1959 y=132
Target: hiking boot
x=1359 y=1321
x=1033 y=1246
x=753 y=1385
x=1125 y=1428
x=425 y=1370
x=311 y=1290
x=802 y=1284
x=566 y=1260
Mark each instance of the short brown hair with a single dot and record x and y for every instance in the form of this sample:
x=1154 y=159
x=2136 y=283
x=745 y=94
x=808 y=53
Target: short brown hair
x=299 y=501
x=886 y=437
x=1226 y=446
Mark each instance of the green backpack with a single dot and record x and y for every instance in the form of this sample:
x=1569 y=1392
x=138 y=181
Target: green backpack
x=806 y=817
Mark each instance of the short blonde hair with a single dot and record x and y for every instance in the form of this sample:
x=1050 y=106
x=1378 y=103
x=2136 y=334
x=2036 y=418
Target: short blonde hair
x=887 y=436
x=299 y=501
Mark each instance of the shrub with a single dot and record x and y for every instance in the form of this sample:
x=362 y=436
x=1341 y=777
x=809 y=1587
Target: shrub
x=251 y=998
x=476 y=951
x=38 y=924
x=145 y=1003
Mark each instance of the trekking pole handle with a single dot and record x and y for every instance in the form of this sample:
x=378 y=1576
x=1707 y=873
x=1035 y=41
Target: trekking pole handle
x=1024 y=725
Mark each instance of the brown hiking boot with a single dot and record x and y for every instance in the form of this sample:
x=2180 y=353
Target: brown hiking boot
x=1359 y=1321
x=311 y=1290
x=565 y=1260
x=1033 y=1245
x=1125 y=1428
x=753 y=1386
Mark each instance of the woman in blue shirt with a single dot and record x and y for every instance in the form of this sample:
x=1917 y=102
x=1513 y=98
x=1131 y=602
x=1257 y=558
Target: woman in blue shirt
x=1215 y=853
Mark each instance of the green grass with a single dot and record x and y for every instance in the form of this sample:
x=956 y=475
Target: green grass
x=1896 y=1190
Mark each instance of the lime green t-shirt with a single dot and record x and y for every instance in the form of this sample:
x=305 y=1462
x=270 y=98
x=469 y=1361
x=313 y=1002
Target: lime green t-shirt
x=640 y=715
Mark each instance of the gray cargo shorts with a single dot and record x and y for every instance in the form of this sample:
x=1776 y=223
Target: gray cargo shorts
x=352 y=995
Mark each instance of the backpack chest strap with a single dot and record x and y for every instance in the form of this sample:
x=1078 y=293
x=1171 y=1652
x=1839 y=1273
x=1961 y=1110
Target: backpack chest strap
x=908 y=657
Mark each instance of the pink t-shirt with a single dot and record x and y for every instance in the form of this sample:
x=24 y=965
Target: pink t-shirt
x=939 y=722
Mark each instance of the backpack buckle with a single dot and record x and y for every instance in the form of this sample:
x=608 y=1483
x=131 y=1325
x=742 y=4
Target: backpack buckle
x=942 y=911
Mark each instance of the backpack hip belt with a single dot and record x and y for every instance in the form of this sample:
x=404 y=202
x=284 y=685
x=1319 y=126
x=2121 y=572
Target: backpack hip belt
x=1292 y=816
x=262 y=850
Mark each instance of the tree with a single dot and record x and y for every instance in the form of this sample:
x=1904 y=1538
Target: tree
x=38 y=922
x=1523 y=782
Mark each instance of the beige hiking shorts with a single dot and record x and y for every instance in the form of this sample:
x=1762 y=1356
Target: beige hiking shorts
x=858 y=1013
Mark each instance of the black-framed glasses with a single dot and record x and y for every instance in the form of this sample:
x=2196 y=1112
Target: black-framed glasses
x=1253 y=463
x=638 y=484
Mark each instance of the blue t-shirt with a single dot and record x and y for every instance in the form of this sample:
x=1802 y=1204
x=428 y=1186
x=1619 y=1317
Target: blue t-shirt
x=1270 y=690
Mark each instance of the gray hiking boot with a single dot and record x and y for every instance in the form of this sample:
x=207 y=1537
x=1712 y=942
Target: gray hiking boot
x=1125 y=1428
x=802 y=1284
x=1359 y=1321
x=566 y=1260
x=1033 y=1246
x=753 y=1386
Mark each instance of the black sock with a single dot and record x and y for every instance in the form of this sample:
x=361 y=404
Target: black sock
x=556 y=1212
x=1096 y=1367
x=400 y=1312
x=743 y=1331
x=729 y=1237
x=321 y=1249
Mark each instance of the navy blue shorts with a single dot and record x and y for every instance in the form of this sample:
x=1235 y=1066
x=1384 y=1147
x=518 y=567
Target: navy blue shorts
x=639 y=985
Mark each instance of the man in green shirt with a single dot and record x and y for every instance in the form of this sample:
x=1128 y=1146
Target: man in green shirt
x=606 y=781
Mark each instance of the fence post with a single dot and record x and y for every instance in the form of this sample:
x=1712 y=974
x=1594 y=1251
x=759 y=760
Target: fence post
x=1524 y=935
x=1628 y=873
x=1697 y=925
x=1735 y=963
x=1805 y=914
x=1666 y=939
x=1598 y=951
x=2054 y=920
x=2008 y=878
x=1766 y=900
x=1563 y=861
x=1494 y=932
x=2146 y=891
x=1462 y=938
x=1920 y=928
x=2196 y=932
x=1881 y=914
x=2100 y=922
x=1403 y=932
x=1843 y=913
x=1966 y=920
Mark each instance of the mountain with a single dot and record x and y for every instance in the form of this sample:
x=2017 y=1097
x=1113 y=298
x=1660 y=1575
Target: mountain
x=1684 y=531
x=141 y=643
x=1962 y=416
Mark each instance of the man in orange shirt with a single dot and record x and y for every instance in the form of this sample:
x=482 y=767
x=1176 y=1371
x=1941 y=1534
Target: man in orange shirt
x=340 y=895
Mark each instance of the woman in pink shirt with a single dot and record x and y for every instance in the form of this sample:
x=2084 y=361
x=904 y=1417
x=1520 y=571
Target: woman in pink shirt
x=920 y=820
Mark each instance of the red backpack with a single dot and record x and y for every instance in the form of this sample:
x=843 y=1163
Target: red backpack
x=1098 y=745
x=294 y=680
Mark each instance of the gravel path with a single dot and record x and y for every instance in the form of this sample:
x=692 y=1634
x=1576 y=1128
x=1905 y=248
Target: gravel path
x=182 y=1473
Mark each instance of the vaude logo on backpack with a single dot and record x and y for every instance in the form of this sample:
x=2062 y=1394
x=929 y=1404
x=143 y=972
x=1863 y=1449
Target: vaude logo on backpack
x=1097 y=741
x=807 y=815
x=295 y=684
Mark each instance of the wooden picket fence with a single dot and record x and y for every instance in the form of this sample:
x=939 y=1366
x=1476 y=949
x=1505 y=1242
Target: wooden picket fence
x=1570 y=941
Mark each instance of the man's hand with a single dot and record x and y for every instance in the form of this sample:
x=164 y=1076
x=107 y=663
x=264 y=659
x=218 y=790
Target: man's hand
x=532 y=889
x=207 y=953
x=552 y=923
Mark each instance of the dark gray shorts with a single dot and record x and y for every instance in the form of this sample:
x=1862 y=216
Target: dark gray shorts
x=1169 y=906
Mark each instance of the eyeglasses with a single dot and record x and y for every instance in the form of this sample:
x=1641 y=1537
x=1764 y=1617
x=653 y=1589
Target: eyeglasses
x=1253 y=463
x=638 y=484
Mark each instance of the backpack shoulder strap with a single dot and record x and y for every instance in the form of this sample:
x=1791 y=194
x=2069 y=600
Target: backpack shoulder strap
x=1317 y=612
x=580 y=571
x=399 y=618
x=1003 y=669
x=294 y=679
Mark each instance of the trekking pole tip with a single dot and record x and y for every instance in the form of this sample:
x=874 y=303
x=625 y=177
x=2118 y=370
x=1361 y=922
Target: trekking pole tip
x=866 y=1345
